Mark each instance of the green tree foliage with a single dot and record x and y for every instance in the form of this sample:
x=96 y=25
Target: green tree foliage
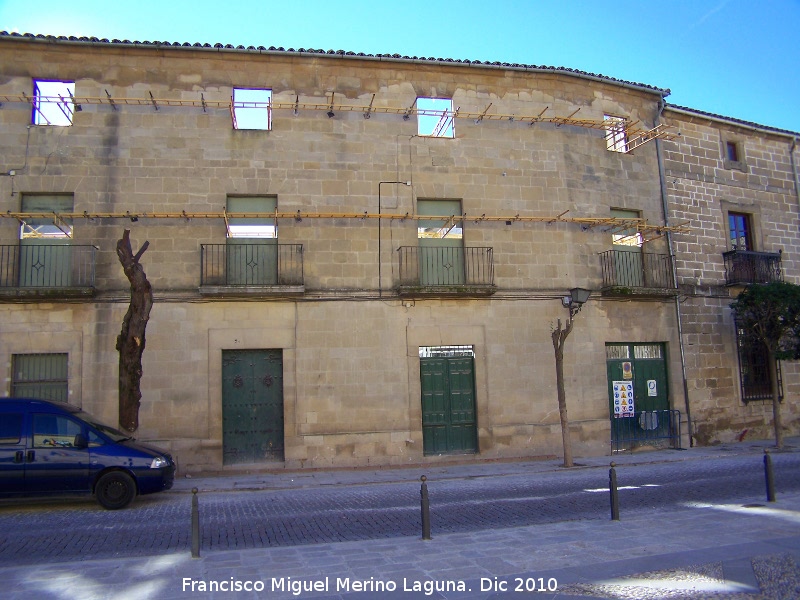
x=769 y=314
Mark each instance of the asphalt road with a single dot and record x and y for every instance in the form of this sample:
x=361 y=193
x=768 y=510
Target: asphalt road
x=45 y=531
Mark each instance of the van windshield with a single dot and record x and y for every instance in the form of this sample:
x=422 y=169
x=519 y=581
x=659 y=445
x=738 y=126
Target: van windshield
x=114 y=434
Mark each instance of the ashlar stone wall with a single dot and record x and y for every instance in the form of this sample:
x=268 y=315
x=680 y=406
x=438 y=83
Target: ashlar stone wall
x=349 y=342
x=703 y=187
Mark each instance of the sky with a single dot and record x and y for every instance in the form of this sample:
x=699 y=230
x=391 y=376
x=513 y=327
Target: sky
x=735 y=58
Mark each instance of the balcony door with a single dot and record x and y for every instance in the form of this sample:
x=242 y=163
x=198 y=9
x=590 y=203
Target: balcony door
x=627 y=246
x=740 y=231
x=252 y=244
x=45 y=255
x=441 y=243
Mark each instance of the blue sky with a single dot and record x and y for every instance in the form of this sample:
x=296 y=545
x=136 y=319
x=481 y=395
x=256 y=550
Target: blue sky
x=736 y=58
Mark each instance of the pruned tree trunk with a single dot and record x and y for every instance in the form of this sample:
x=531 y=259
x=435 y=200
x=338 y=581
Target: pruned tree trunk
x=559 y=337
x=777 y=422
x=131 y=340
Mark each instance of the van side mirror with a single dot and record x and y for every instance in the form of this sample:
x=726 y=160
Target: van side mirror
x=80 y=441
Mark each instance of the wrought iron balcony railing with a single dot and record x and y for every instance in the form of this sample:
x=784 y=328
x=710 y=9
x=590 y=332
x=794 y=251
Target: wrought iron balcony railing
x=743 y=267
x=446 y=269
x=635 y=272
x=251 y=265
x=47 y=268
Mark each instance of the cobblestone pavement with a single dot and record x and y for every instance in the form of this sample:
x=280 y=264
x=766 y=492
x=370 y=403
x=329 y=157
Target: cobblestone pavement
x=707 y=541
x=41 y=532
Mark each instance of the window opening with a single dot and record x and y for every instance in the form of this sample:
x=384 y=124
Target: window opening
x=754 y=376
x=732 y=149
x=626 y=237
x=251 y=109
x=617 y=351
x=40 y=376
x=50 y=228
x=616 y=134
x=435 y=117
x=446 y=351
x=647 y=351
x=450 y=229
x=739 y=229
x=53 y=103
x=10 y=429
x=252 y=227
x=54 y=431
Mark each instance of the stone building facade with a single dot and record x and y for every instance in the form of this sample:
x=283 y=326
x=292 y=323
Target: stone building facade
x=360 y=260
x=736 y=184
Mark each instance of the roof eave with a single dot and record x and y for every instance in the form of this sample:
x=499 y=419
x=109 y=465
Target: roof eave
x=272 y=51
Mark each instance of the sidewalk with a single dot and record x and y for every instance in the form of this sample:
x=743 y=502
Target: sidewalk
x=705 y=551
x=285 y=479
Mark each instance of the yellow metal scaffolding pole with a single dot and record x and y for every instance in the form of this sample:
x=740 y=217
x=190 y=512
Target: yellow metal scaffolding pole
x=616 y=224
x=637 y=136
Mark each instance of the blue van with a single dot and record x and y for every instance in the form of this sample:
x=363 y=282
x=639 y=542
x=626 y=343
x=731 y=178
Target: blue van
x=52 y=448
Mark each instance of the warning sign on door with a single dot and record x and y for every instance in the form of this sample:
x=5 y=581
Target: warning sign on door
x=623 y=398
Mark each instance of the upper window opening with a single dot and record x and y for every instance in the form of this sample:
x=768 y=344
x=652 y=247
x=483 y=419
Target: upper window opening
x=732 y=151
x=435 y=117
x=53 y=103
x=616 y=134
x=251 y=109
x=252 y=227
x=50 y=228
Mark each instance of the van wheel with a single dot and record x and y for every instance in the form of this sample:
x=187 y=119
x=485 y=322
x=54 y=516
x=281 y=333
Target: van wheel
x=115 y=490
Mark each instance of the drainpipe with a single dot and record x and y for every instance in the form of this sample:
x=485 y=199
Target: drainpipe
x=665 y=208
x=794 y=170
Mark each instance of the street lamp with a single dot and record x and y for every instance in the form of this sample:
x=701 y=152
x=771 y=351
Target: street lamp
x=380 y=277
x=575 y=301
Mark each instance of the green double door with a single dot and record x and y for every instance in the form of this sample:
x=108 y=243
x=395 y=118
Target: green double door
x=252 y=406
x=449 y=425
x=637 y=390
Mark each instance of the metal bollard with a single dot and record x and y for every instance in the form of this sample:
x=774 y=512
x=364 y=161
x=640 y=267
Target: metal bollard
x=426 y=509
x=769 y=475
x=195 y=525
x=612 y=487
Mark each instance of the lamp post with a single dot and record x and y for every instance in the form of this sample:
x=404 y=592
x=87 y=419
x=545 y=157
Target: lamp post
x=380 y=277
x=574 y=302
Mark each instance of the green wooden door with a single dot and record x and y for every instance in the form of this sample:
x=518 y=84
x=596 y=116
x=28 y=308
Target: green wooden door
x=45 y=263
x=252 y=406
x=441 y=262
x=252 y=262
x=642 y=370
x=449 y=425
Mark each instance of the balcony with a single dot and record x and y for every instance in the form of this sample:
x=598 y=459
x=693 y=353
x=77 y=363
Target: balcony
x=47 y=271
x=251 y=269
x=743 y=267
x=446 y=271
x=634 y=273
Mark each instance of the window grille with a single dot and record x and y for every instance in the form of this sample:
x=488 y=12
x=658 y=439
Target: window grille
x=617 y=351
x=40 y=376
x=647 y=351
x=446 y=351
x=754 y=376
